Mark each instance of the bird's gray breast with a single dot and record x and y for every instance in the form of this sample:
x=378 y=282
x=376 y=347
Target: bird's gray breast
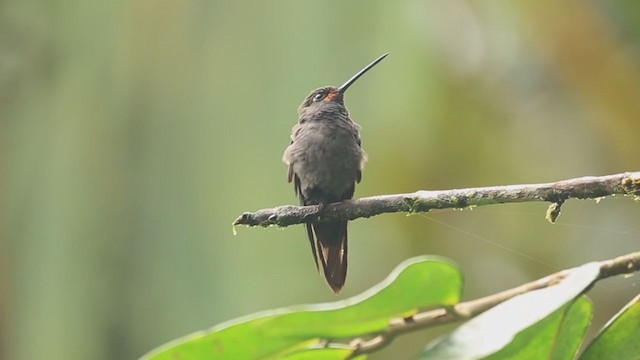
x=326 y=156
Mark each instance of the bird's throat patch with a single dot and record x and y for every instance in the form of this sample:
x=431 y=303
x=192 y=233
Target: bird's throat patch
x=330 y=96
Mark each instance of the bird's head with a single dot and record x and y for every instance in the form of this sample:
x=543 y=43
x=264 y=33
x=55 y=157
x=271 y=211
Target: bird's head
x=330 y=96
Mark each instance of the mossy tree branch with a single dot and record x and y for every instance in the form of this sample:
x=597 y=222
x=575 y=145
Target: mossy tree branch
x=588 y=187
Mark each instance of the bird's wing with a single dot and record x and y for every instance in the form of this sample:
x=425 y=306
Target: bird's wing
x=290 y=174
x=298 y=190
x=293 y=177
x=356 y=135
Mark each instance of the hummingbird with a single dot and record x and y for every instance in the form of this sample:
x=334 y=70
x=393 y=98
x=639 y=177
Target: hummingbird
x=325 y=160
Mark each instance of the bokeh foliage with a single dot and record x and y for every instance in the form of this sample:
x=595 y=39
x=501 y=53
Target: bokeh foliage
x=134 y=132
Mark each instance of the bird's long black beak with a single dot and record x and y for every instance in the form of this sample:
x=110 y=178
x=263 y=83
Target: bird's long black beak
x=355 y=77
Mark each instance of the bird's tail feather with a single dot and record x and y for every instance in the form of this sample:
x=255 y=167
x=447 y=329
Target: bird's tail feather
x=331 y=243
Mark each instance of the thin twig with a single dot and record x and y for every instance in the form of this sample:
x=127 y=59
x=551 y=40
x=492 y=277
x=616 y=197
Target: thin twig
x=625 y=264
x=588 y=187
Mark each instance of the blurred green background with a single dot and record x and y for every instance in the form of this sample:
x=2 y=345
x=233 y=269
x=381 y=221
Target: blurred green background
x=134 y=132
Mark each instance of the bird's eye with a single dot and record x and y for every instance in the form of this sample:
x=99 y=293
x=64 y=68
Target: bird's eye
x=318 y=96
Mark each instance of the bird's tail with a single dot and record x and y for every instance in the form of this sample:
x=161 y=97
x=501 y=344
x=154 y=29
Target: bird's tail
x=331 y=248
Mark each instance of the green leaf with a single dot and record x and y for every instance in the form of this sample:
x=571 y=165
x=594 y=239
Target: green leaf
x=496 y=328
x=557 y=336
x=322 y=354
x=620 y=337
x=574 y=326
x=417 y=283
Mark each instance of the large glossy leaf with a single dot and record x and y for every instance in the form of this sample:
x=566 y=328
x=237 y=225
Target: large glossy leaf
x=417 y=283
x=557 y=336
x=620 y=337
x=574 y=326
x=497 y=328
